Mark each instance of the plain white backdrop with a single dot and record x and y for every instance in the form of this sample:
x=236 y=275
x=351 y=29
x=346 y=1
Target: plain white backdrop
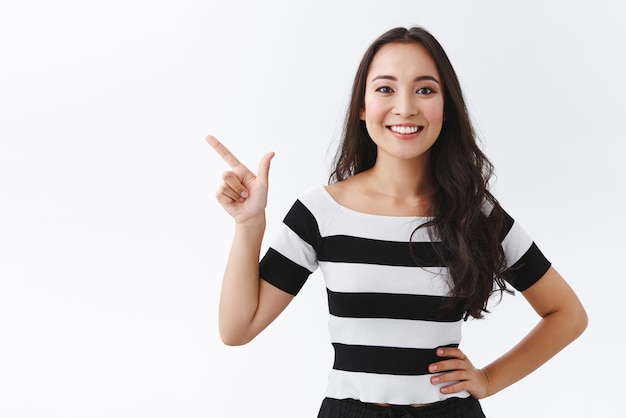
x=112 y=245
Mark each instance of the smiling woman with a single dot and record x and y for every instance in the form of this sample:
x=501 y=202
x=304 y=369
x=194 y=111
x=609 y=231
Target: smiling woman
x=403 y=100
x=112 y=246
x=410 y=242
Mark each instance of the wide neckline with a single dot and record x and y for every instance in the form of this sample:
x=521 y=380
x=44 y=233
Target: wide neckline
x=366 y=214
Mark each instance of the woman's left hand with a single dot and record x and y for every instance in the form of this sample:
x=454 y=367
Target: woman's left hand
x=458 y=369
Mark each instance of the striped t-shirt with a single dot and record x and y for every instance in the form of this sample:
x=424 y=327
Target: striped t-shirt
x=385 y=311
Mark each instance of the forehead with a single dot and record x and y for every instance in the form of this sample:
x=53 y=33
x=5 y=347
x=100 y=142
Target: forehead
x=402 y=60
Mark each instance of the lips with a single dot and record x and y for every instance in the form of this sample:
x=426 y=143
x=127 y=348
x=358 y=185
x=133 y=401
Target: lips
x=405 y=130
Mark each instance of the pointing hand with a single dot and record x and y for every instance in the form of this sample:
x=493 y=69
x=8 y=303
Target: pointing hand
x=242 y=193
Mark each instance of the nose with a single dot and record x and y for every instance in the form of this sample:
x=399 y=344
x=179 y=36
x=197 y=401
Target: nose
x=406 y=104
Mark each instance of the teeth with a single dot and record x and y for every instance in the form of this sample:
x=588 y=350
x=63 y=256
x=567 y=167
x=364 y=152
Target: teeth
x=405 y=129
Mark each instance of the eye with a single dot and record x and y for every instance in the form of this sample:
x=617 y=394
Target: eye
x=384 y=89
x=425 y=90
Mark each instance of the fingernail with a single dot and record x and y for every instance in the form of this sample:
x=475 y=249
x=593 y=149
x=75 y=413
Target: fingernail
x=433 y=368
x=444 y=390
x=440 y=352
x=244 y=194
x=435 y=380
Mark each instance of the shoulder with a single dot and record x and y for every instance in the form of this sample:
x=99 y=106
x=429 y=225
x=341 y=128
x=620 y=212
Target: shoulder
x=347 y=192
x=315 y=203
x=334 y=196
x=316 y=196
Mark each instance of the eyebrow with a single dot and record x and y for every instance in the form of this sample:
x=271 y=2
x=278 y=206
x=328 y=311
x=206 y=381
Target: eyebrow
x=420 y=78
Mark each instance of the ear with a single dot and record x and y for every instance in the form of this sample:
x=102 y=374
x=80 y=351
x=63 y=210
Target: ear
x=362 y=114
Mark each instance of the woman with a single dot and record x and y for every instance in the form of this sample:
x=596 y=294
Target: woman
x=410 y=242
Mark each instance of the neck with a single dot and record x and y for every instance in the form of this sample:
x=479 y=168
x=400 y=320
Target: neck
x=401 y=178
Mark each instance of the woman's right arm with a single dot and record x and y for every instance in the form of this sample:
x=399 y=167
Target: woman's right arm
x=247 y=303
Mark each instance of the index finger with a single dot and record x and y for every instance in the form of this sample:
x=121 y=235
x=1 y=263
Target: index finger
x=228 y=156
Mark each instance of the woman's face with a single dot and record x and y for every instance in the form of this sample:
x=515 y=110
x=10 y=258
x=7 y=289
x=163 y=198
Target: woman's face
x=403 y=109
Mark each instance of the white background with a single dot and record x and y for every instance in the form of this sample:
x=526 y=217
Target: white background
x=112 y=245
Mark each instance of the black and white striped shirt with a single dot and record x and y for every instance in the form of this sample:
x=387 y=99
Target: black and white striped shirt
x=385 y=310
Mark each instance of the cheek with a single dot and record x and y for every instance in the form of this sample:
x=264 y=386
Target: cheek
x=434 y=112
x=372 y=112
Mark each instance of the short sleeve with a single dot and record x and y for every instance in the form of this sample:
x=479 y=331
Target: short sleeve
x=525 y=261
x=292 y=255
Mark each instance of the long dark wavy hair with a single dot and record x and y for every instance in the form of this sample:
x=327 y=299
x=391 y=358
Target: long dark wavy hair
x=460 y=174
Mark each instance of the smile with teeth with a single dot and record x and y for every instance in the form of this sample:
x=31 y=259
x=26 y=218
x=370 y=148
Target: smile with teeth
x=405 y=130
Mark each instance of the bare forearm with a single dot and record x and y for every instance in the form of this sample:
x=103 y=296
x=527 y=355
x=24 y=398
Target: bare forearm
x=247 y=306
x=240 y=286
x=551 y=335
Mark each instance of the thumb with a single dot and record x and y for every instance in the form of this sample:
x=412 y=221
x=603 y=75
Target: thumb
x=264 y=167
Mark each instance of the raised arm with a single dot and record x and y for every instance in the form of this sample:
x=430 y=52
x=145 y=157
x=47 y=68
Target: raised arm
x=247 y=303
